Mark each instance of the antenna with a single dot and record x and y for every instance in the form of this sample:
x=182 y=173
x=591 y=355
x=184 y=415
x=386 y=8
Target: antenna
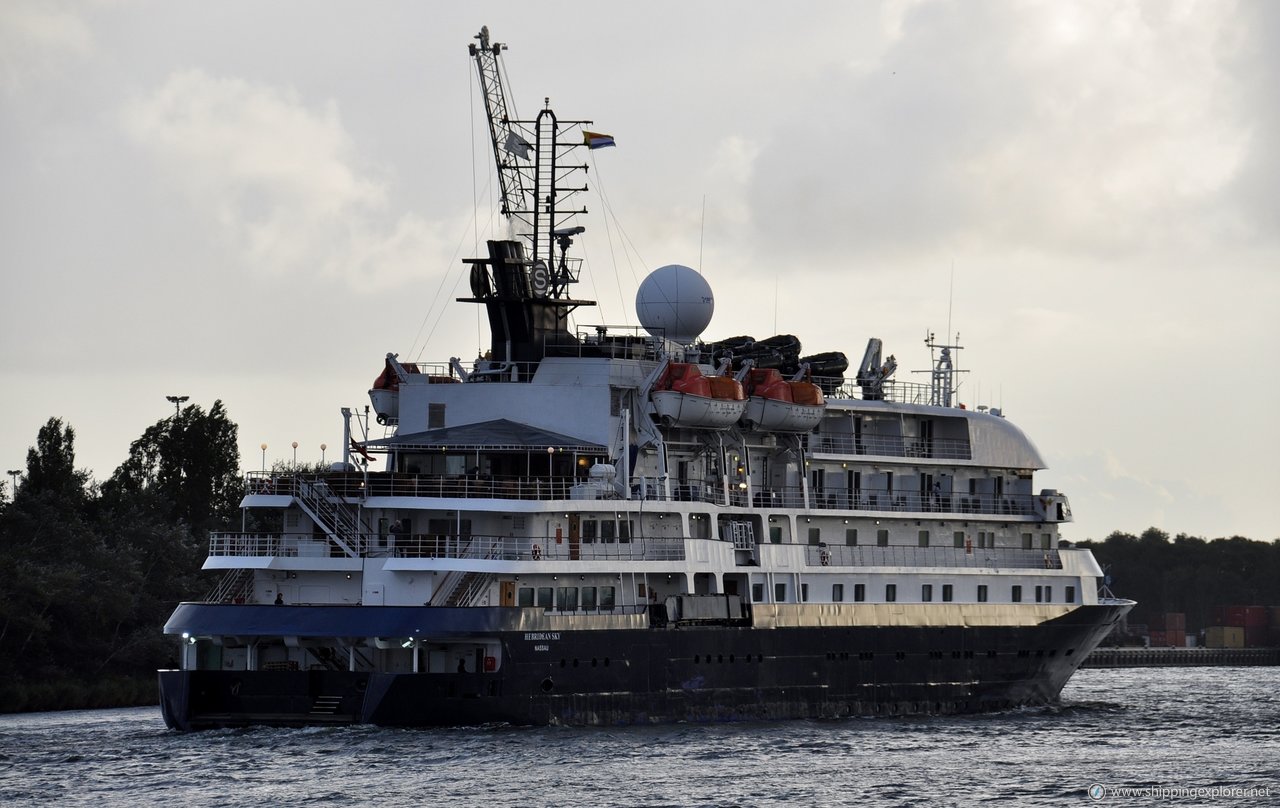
x=702 y=232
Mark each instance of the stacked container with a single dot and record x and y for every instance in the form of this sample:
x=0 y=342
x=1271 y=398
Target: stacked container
x=1241 y=627
x=1168 y=630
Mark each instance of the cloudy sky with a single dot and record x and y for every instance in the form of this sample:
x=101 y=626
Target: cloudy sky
x=256 y=201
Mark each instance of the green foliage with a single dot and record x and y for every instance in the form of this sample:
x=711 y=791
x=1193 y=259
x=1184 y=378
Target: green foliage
x=1189 y=574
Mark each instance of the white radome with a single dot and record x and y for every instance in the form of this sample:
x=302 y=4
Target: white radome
x=675 y=302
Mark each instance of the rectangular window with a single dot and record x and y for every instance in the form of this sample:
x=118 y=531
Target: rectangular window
x=851 y=536
x=775 y=534
x=837 y=593
x=779 y=593
x=859 y=593
x=1046 y=541
x=546 y=597
x=890 y=593
x=567 y=598
x=435 y=416
x=588 y=531
x=1015 y=594
x=882 y=538
x=1039 y=594
x=606 y=598
x=524 y=597
x=1026 y=541
x=757 y=593
x=926 y=593
x=982 y=593
x=607 y=530
x=924 y=538
x=588 y=597
x=1071 y=594
x=957 y=539
x=624 y=531
x=948 y=593
x=1048 y=594
x=804 y=593
x=815 y=535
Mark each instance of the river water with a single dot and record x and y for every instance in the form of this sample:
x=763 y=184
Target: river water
x=1212 y=731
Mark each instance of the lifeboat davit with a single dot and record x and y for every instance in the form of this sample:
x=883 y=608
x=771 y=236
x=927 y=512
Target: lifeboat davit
x=385 y=393
x=778 y=405
x=684 y=397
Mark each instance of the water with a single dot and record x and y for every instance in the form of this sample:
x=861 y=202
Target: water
x=1164 y=727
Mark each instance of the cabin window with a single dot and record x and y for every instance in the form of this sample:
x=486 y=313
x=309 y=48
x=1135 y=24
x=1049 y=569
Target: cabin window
x=524 y=597
x=546 y=597
x=1039 y=594
x=567 y=598
x=624 y=531
x=986 y=539
x=882 y=538
x=859 y=592
x=588 y=597
x=757 y=593
x=1026 y=541
x=815 y=535
x=606 y=598
x=890 y=593
x=926 y=593
x=957 y=539
x=775 y=534
x=1048 y=594
x=1046 y=541
x=1015 y=594
x=948 y=593
x=804 y=593
x=589 y=531
x=608 y=529
x=982 y=593
x=851 y=536
x=779 y=593
x=837 y=593
x=1071 y=594
x=435 y=416
x=924 y=538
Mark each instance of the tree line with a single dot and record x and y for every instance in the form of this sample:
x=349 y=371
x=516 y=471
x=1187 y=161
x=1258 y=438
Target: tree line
x=89 y=571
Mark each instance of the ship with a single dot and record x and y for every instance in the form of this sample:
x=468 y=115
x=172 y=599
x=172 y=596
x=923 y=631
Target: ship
x=620 y=525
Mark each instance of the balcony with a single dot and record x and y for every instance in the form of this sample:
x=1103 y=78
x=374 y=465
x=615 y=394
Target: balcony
x=976 y=558
x=891 y=446
x=493 y=548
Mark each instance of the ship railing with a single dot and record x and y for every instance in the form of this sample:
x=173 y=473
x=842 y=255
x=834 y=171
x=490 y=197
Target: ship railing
x=865 y=499
x=891 y=446
x=897 y=391
x=504 y=548
x=839 y=555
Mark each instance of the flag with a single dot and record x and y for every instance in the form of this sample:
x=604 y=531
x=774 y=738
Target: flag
x=517 y=145
x=595 y=140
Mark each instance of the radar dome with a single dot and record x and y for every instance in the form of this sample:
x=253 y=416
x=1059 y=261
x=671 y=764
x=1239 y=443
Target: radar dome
x=675 y=302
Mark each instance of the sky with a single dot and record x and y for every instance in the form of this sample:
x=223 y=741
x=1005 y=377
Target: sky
x=255 y=202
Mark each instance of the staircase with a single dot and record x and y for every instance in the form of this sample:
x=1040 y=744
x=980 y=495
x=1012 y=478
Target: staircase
x=336 y=519
x=236 y=584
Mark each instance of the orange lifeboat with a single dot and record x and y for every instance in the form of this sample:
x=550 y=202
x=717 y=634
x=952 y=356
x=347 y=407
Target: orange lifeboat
x=778 y=405
x=685 y=397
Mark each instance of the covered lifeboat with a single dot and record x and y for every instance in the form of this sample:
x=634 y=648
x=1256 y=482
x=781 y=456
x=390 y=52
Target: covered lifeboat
x=778 y=405
x=685 y=397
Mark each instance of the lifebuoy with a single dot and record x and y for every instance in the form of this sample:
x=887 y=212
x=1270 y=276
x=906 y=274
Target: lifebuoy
x=536 y=552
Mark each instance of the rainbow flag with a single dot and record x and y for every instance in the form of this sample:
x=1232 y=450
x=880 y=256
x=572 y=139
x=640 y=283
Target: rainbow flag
x=595 y=140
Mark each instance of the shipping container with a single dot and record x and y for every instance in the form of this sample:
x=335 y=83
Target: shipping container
x=1257 y=636
x=1255 y=616
x=1171 y=621
x=1224 y=637
x=1156 y=639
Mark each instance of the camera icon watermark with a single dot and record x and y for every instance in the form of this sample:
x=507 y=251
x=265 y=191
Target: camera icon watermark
x=1098 y=792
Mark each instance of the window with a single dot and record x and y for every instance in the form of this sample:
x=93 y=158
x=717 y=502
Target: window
x=986 y=539
x=804 y=593
x=859 y=592
x=775 y=534
x=815 y=535
x=524 y=597
x=435 y=416
x=1071 y=594
x=567 y=598
x=882 y=538
x=948 y=593
x=924 y=538
x=957 y=539
x=779 y=593
x=1026 y=541
x=837 y=593
x=1046 y=541
x=757 y=593
x=624 y=531
x=1039 y=594
x=926 y=593
x=1015 y=594
x=606 y=598
x=890 y=593
x=608 y=528
x=588 y=597
x=545 y=597
x=588 y=531
x=851 y=536
x=1048 y=594
x=982 y=593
